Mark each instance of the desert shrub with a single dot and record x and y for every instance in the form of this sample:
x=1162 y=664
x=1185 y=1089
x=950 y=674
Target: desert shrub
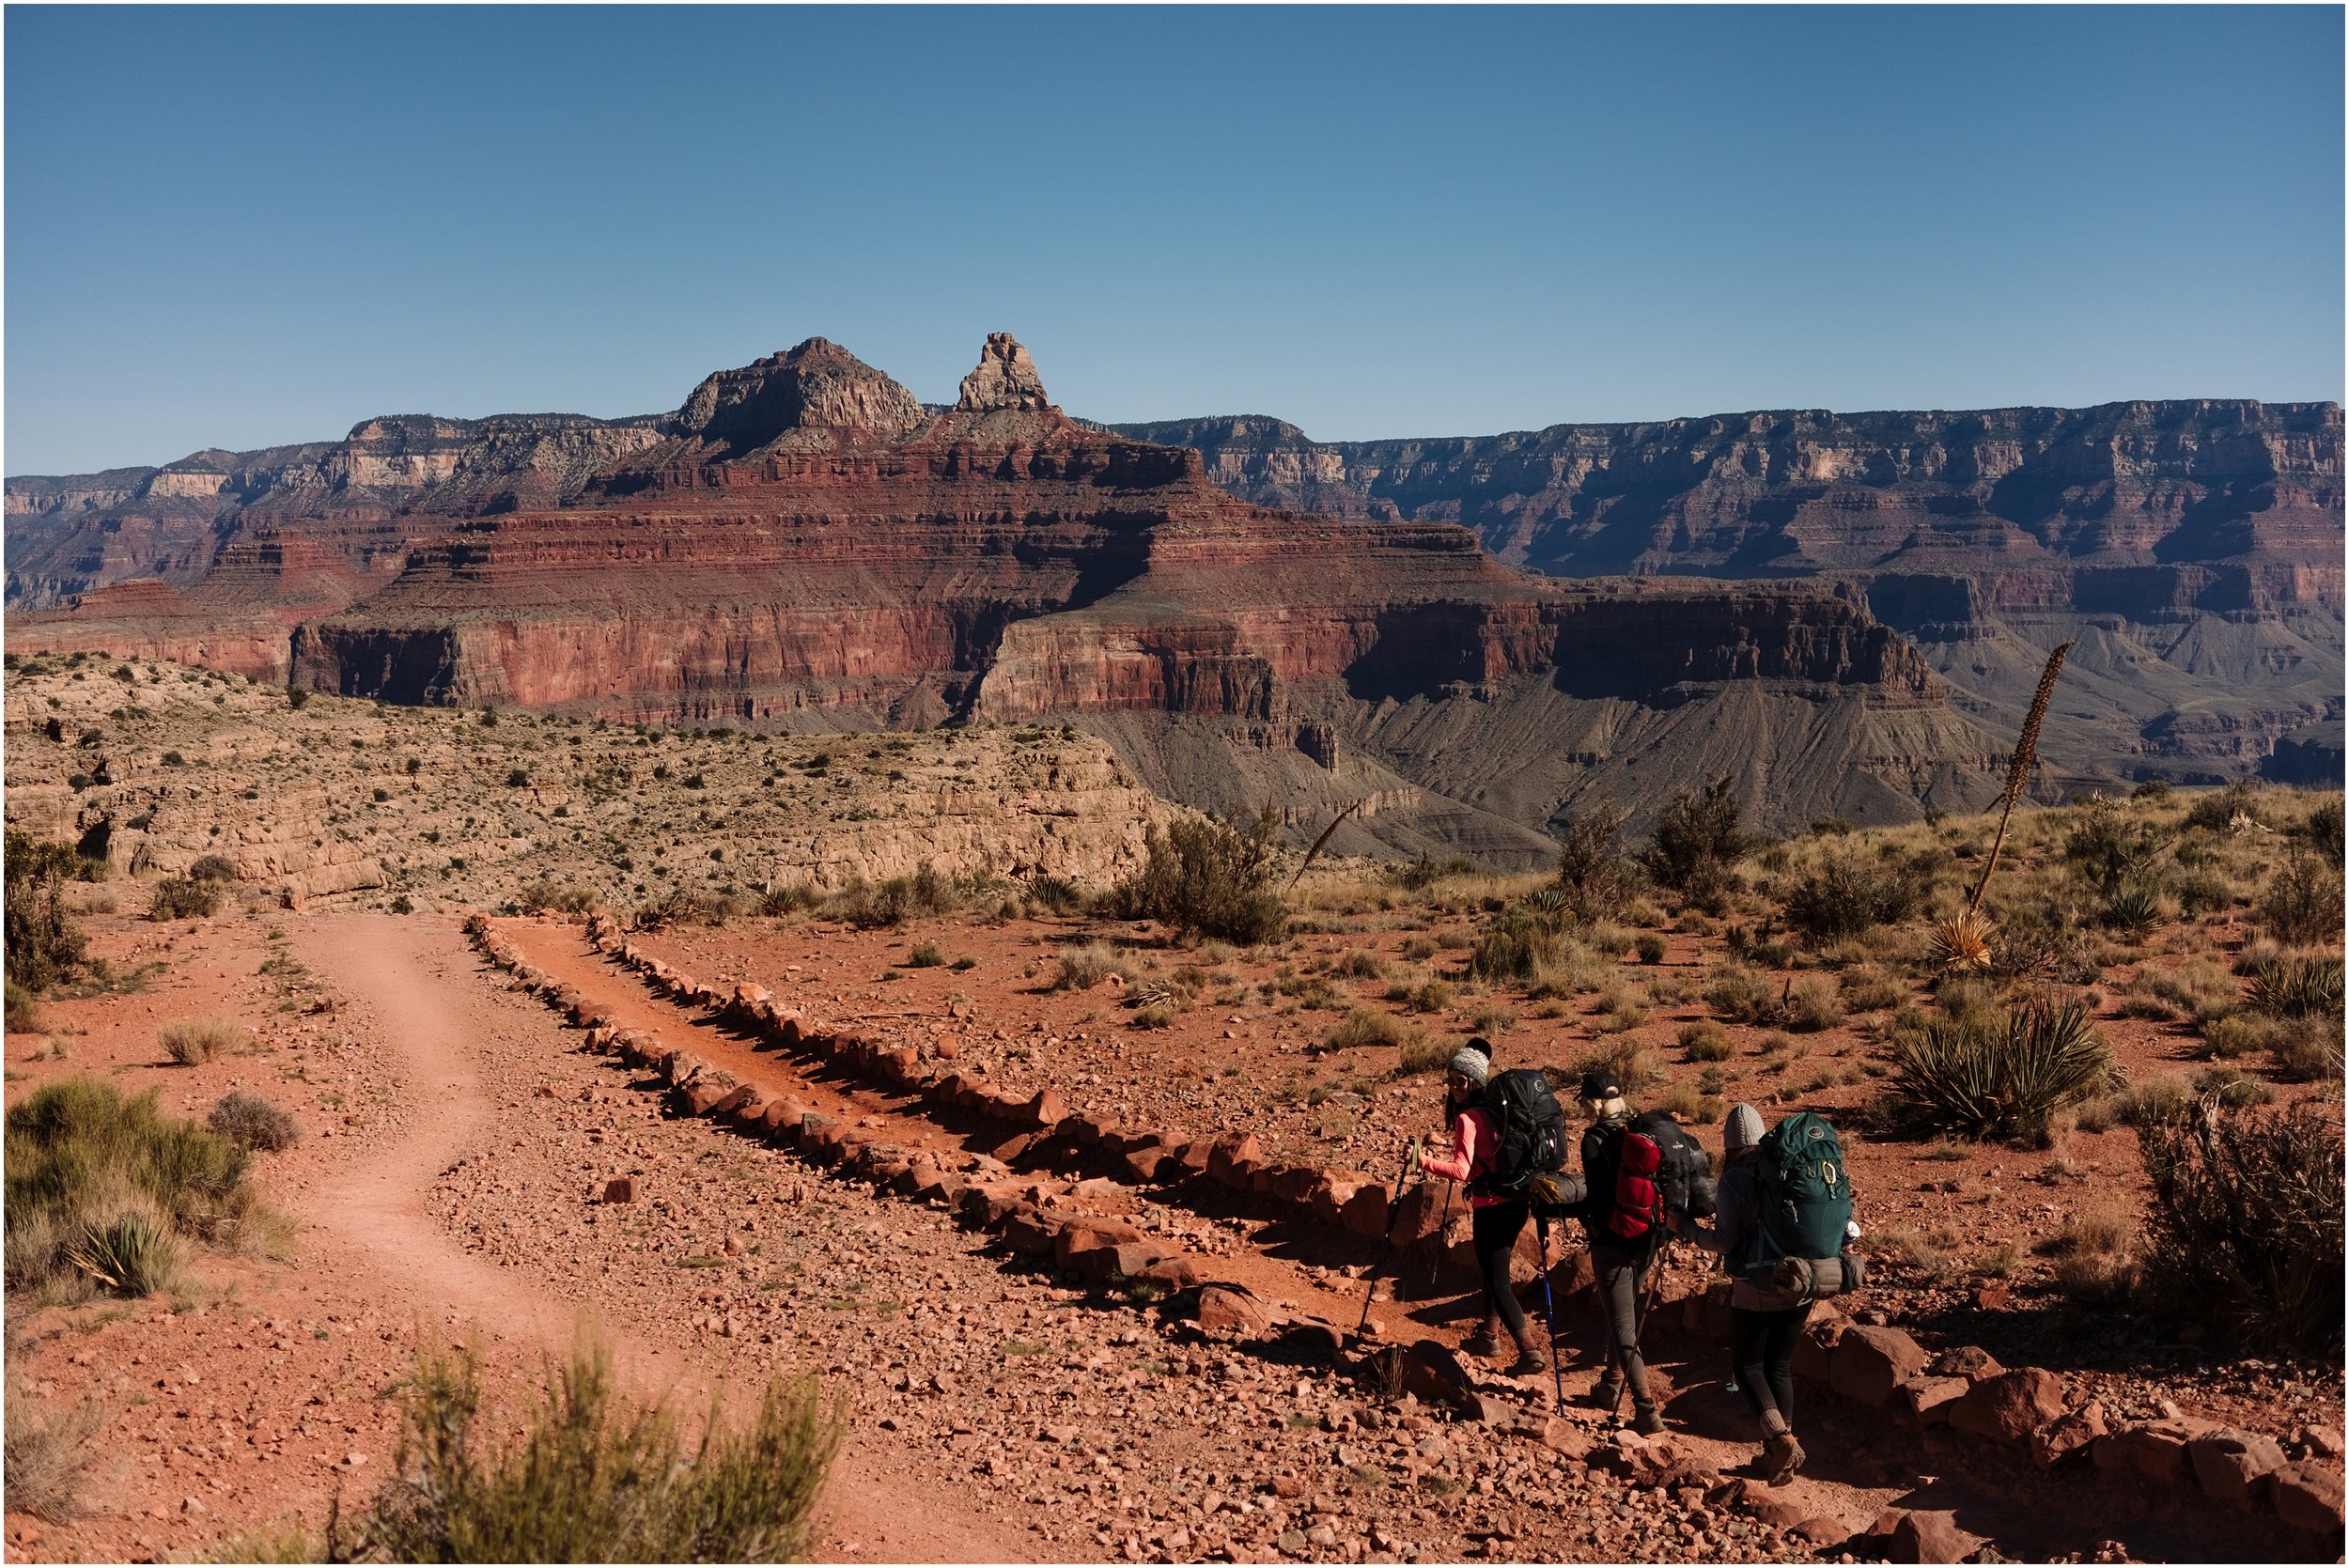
x=1209 y=878
x=1706 y=1041
x=2309 y=1046
x=2197 y=990
x=788 y=900
x=1423 y=1053
x=1418 y=950
x=2005 y=1081
x=1700 y=837
x=1636 y=1065
x=2138 y=1104
x=1357 y=964
x=589 y=1474
x=2323 y=829
x=2219 y=811
x=1515 y=946
x=2133 y=913
x=2302 y=903
x=676 y=906
x=1689 y=1105
x=1431 y=996
x=1867 y=989
x=132 y=1254
x=2202 y=892
x=212 y=868
x=556 y=898
x=1846 y=896
x=48 y=1457
x=183 y=898
x=43 y=943
x=2111 y=851
x=2231 y=1087
x=2297 y=986
x=1054 y=895
x=1152 y=1015
x=897 y=900
x=1811 y=1003
x=925 y=956
x=23 y=1014
x=1740 y=994
x=80 y=1157
x=1083 y=967
x=252 y=1122
x=2239 y=1035
x=1367 y=1026
x=1650 y=947
x=2245 y=1226
x=189 y=1041
x=1595 y=876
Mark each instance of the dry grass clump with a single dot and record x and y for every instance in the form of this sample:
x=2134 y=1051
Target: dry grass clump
x=48 y=1457
x=189 y=1041
x=1621 y=1008
x=1706 y=1041
x=1637 y=1065
x=252 y=1122
x=1811 y=1003
x=589 y=1474
x=183 y=898
x=1867 y=988
x=1081 y=969
x=1927 y=1253
x=1418 y=950
x=1690 y=1105
x=1423 y=1053
x=1354 y=964
x=1740 y=994
x=2302 y=903
x=1650 y=947
x=1367 y=1026
x=2197 y=990
x=560 y=898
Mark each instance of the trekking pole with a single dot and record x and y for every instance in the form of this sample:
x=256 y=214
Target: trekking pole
x=1641 y=1306
x=1386 y=1245
x=1549 y=1311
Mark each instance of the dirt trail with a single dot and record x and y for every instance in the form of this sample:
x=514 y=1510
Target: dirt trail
x=418 y=979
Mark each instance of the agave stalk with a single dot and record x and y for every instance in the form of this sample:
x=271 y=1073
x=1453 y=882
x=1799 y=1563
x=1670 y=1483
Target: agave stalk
x=2025 y=752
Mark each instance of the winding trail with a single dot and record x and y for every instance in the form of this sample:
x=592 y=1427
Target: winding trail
x=420 y=982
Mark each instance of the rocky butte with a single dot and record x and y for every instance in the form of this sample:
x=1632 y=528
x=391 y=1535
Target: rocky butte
x=805 y=545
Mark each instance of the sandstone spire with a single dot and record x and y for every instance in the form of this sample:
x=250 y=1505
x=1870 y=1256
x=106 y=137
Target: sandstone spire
x=1005 y=378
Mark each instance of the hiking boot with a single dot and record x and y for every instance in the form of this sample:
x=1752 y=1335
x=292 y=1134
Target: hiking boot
x=1646 y=1420
x=1528 y=1364
x=1606 y=1391
x=1782 y=1456
x=1481 y=1345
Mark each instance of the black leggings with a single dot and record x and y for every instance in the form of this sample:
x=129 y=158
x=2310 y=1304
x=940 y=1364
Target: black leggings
x=1762 y=1350
x=1494 y=1229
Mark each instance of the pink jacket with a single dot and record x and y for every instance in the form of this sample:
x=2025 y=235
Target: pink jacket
x=1473 y=1146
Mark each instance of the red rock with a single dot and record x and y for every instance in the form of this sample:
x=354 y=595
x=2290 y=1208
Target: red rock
x=2009 y=1406
x=1236 y=1309
x=732 y=1100
x=2155 y=1450
x=1969 y=1362
x=985 y=1203
x=700 y=1099
x=1563 y=1436
x=2308 y=1495
x=2067 y=1435
x=1233 y=1162
x=1149 y=1165
x=1173 y=1272
x=1123 y=1260
x=1815 y=1347
x=1366 y=1212
x=621 y=1190
x=1011 y=1149
x=1868 y=1363
x=1931 y=1537
x=1029 y=1233
x=1044 y=1111
x=2229 y=1463
x=1928 y=1398
x=1088 y=1235
x=1822 y=1529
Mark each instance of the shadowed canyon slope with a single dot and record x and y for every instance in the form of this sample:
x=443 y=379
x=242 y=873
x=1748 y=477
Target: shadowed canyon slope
x=2192 y=550
x=803 y=545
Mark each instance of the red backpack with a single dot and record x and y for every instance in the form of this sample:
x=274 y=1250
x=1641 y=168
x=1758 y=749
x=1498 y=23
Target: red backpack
x=1638 y=1197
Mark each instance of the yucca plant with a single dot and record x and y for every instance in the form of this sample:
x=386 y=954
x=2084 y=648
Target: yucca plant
x=2006 y=1078
x=2297 y=987
x=1962 y=943
x=2133 y=913
x=132 y=1254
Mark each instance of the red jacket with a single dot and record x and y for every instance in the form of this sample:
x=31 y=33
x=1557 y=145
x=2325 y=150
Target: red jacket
x=1473 y=1145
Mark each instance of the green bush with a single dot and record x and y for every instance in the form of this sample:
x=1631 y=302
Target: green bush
x=2245 y=1227
x=589 y=1474
x=131 y=1254
x=2133 y=913
x=80 y=1157
x=23 y=1014
x=1847 y=896
x=1595 y=876
x=2302 y=904
x=183 y=898
x=1519 y=945
x=2004 y=1080
x=1706 y=1041
x=1700 y=837
x=1054 y=895
x=898 y=899
x=1650 y=947
x=1210 y=878
x=2300 y=985
x=2111 y=851
x=1867 y=989
x=925 y=956
x=43 y=943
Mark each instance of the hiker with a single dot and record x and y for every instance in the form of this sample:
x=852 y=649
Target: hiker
x=1498 y=1217
x=1766 y=1319
x=1618 y=1262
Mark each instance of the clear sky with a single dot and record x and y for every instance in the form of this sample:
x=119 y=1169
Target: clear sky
x=234 y=228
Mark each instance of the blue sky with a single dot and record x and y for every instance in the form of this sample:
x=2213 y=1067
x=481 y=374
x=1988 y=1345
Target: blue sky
x=230 y=226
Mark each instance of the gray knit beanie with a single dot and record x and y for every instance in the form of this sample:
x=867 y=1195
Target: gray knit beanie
x=1473 y=1065
x=1741 y=1129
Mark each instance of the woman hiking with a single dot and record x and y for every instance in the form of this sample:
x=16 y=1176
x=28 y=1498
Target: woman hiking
x=1496 y=1220
x=1620 y=1265
x=1764 y=1323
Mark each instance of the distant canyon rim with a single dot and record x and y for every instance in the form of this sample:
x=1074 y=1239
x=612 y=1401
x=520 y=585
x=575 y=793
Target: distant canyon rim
x=1469 y=640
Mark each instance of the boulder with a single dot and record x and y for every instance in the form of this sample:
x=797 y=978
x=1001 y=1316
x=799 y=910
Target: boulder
x=2067 y=1435
x=702 y=1096
x=1119 y=1260
x=2155 y=1451
x=1930 y=1536
x=1044 y=1111
x=2308 y=1495
x=1233 y=1162
x=1868 y=1363
x=1969 y=1362
x=1815 y=1344
x=1173 y=1272
x=1150 y=1163
x=1928 y=1398
x=2008 y=1408
x=1091 y=1234
x=1366 y=1212
x=621 y=1190
x=733 y=1100
x=2230 y=1463
x=1029 y=1233
x=1235 y=1308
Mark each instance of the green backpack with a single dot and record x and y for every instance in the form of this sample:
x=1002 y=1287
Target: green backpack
x=1806 y=1196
